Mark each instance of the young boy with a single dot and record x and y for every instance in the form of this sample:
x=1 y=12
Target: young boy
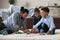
x=46 y=24
x=16 y=20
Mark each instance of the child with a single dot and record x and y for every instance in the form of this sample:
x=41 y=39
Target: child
x=46 y=24
x=36 y=16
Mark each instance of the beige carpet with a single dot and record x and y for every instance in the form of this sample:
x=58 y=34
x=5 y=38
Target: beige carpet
x=31 y=36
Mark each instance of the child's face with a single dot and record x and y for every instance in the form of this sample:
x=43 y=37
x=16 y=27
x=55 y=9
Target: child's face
x=37 y=13
x=44 y=14
x=24 y=15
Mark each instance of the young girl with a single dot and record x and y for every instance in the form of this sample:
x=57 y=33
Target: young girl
x=37 y=17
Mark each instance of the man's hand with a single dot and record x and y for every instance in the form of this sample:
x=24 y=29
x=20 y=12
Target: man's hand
x=21 y=28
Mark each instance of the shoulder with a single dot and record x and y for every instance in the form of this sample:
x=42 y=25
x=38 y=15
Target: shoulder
x=15 y=14
x=51 y=18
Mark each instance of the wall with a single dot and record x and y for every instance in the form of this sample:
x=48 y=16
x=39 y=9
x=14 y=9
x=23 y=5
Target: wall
x=29 y=3
x=33 y=3
x=4 y=4
x=0 y=3
x=37 y=3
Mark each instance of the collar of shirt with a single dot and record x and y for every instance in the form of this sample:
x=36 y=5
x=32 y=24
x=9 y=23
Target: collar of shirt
x=46 y=17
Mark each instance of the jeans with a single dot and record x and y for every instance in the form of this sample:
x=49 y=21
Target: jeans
x=4 y=30
x=43 y=28
x=53 y=31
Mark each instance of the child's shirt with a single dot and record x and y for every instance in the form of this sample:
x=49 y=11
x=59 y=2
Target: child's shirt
x=48 y=20
x=36 y=19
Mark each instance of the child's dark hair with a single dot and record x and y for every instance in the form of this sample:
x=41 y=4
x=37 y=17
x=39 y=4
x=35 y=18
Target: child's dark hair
x=36 y=10
x=46 y=9
x=25 y=10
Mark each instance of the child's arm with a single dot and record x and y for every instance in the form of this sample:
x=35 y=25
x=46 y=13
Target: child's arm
x=37 y=24
x=52 y=25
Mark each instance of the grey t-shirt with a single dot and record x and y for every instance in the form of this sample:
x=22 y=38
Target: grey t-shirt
x=14 y=22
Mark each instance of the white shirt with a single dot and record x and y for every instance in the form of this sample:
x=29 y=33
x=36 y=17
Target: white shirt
x=48 y=20
x=11 y=22
x=14 y=8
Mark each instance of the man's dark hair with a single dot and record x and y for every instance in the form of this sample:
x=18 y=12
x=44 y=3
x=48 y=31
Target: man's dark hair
x=36 y=10
x=25 y=10
x=46 y=9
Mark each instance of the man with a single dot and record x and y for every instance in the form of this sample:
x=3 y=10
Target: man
x=16 y=20
x=46 y=24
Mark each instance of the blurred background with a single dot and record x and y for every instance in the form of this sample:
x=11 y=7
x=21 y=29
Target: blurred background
x=54 y=5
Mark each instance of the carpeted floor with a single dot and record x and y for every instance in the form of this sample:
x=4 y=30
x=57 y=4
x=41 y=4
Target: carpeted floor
x=31 y=36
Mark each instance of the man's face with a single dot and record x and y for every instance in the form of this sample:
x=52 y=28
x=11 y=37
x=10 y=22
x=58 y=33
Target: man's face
x=24 y=15
x=44 y=14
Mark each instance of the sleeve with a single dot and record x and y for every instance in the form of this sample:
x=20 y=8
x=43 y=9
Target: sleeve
x=52 y=25
x=37 y=24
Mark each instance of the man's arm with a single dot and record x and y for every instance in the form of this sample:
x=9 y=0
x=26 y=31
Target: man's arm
x=15 y=20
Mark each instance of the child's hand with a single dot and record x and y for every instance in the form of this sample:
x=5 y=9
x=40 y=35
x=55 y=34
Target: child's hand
x=27 y=31
x=48 y=32
x=33 y=31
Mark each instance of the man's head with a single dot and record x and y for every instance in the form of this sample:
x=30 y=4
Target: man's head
x=37 y=12
x=44 y=11
x=24 y=13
